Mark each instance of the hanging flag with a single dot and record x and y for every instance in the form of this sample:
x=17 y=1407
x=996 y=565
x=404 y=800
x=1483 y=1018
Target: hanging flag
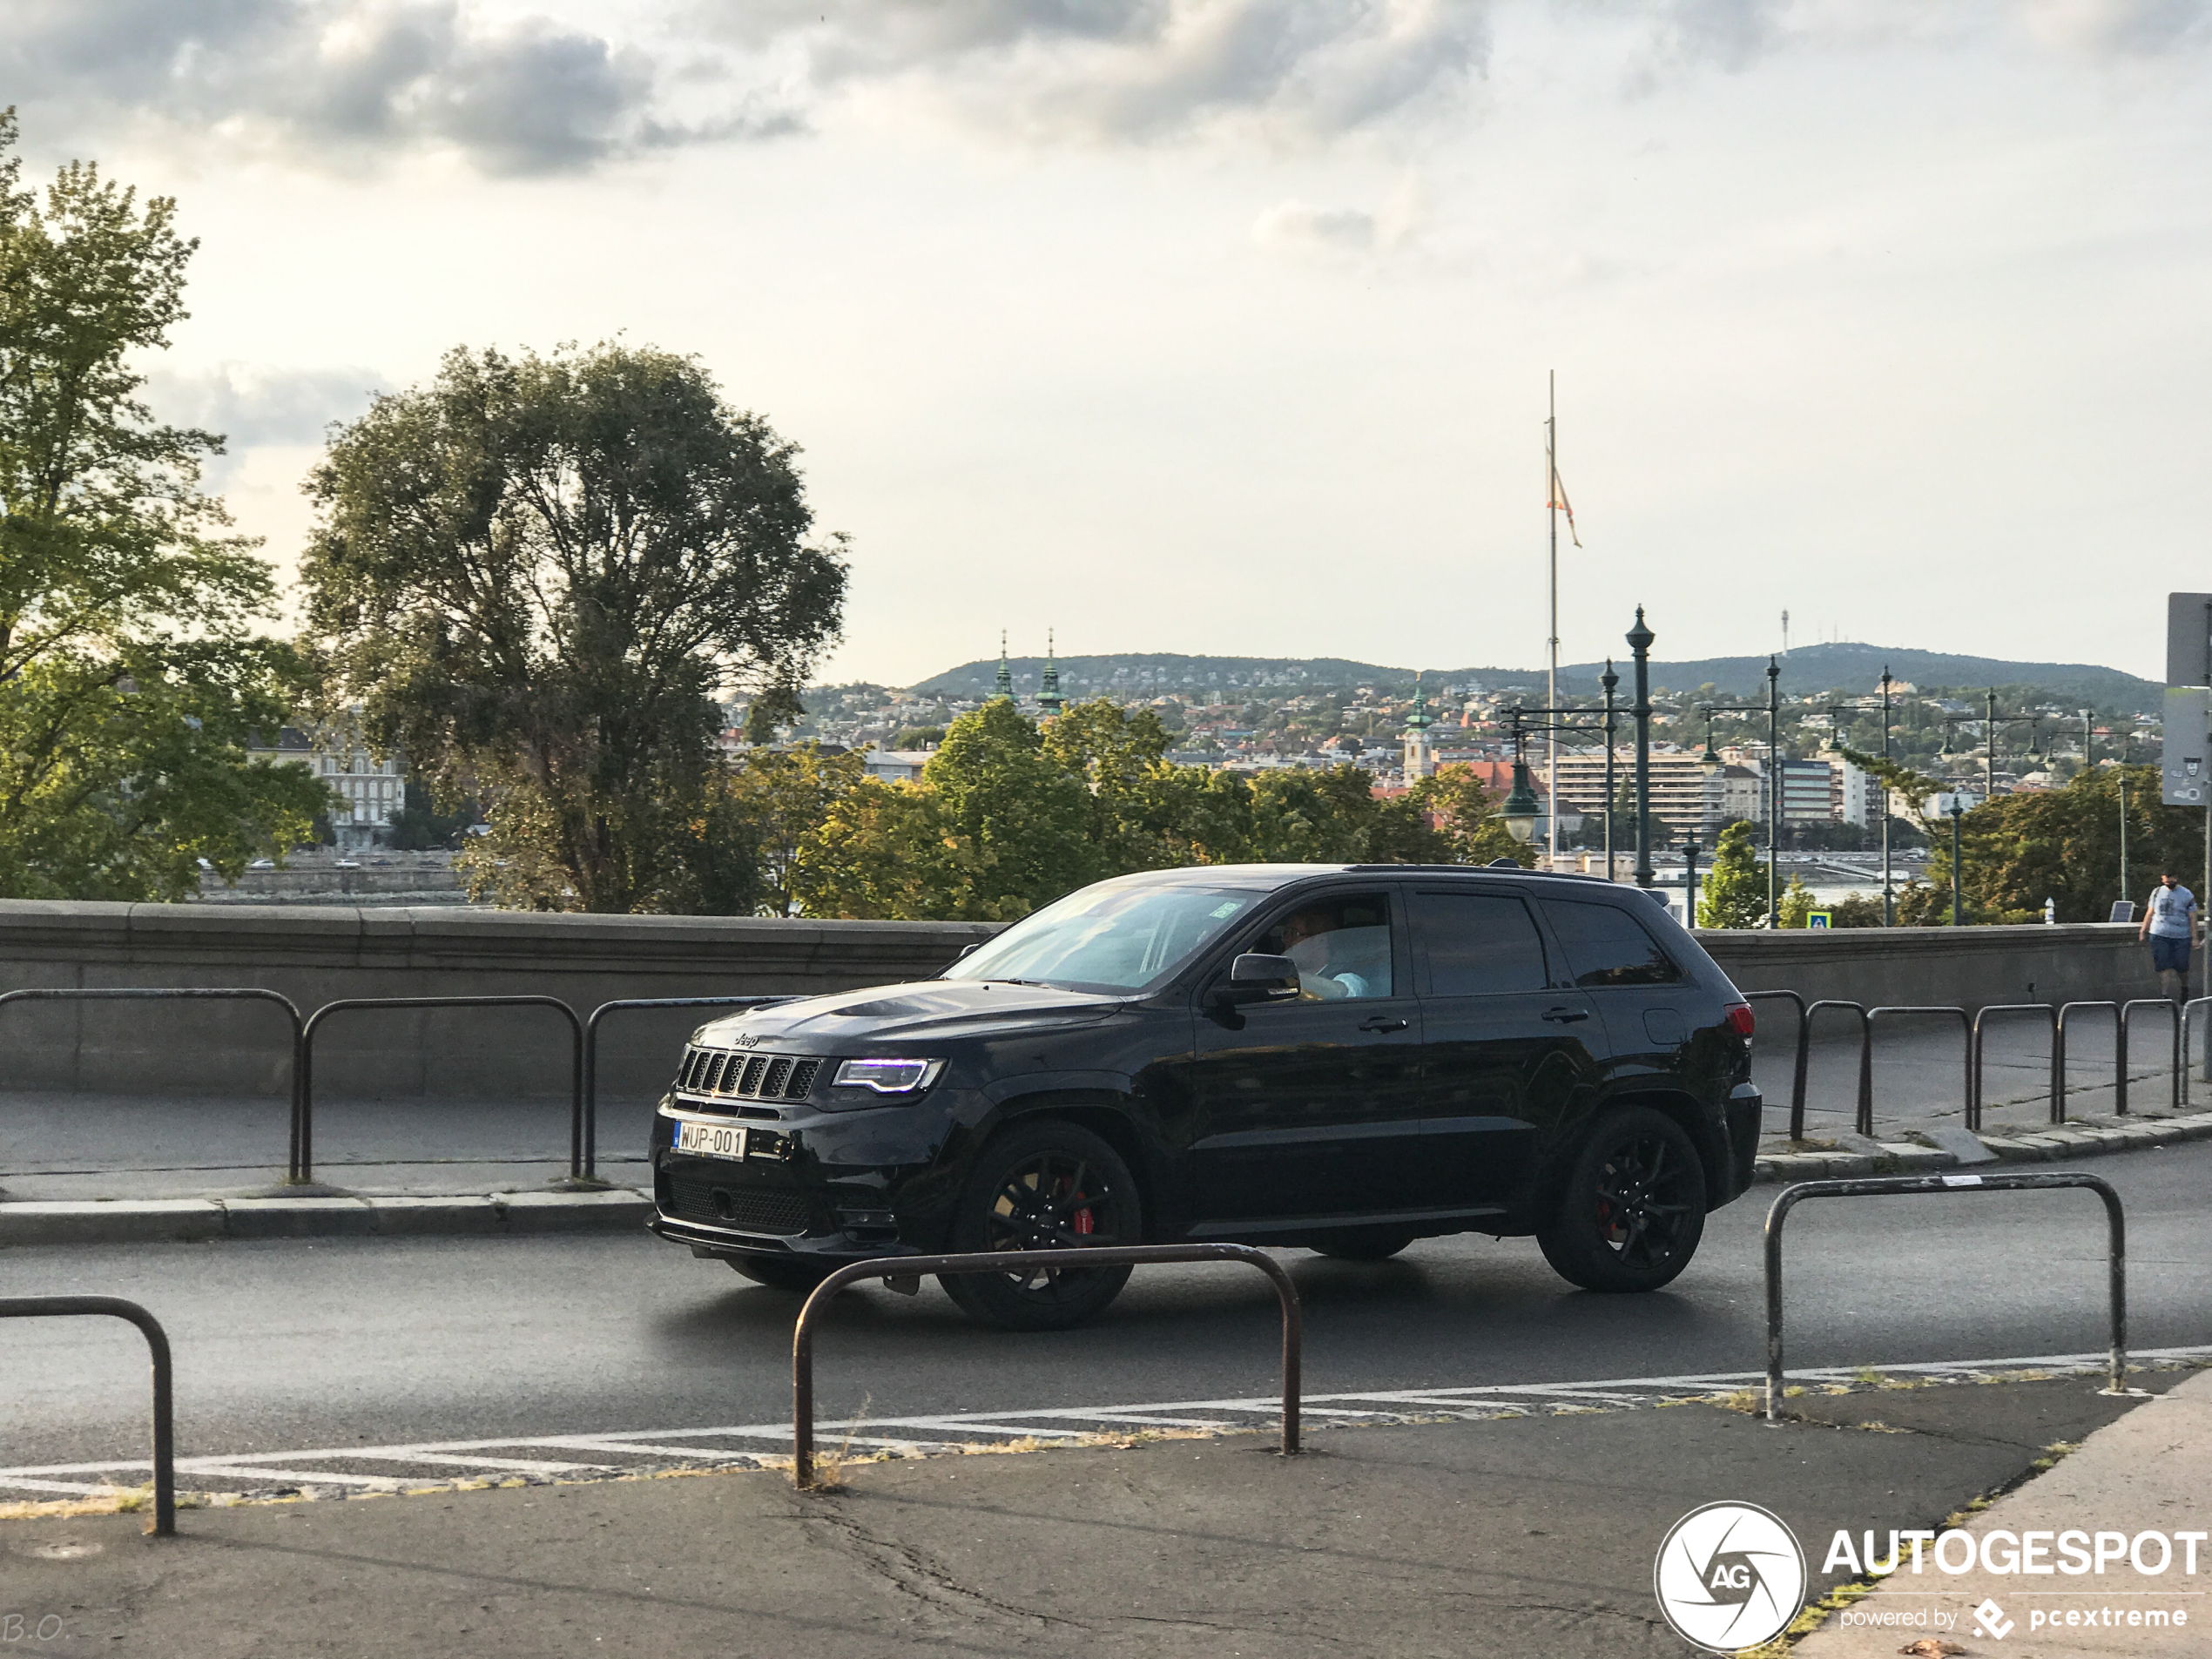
x=1559 y=501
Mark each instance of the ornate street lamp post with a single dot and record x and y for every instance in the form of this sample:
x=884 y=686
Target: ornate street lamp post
x=1689 y=850
x=1640 y=638
x=1611 y=682
x=1958 y=870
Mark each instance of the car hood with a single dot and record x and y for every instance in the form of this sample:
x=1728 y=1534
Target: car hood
x=923 y=1011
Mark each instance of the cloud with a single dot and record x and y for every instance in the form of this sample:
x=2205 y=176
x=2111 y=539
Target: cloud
x=1294 y=226
x=2120 y=28
x=1120 y=70
x=349 y=79
x=252 y=407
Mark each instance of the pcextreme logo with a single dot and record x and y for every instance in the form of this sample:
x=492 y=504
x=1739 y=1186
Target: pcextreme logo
x=1729 y=1575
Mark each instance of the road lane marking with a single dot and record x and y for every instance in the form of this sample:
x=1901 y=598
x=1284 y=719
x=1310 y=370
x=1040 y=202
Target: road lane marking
x=489 y=1462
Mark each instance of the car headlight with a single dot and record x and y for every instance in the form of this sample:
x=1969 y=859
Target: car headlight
x=888 y=1076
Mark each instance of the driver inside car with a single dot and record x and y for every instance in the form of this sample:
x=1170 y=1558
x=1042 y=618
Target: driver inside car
x=1341 y=947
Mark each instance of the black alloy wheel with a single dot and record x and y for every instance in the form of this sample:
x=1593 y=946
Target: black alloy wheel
x=1633 y=1206
x=1045 y=1185
x=1363 y=1246
x=784 y=1274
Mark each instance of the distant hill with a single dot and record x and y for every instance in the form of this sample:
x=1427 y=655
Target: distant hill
x=1857 y=669
x=1807 y=670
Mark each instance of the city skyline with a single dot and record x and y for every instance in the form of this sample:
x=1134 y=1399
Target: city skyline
x=1224 y=324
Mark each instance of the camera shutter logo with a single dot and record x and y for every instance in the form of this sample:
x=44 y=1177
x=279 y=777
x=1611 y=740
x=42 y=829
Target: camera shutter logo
x=1729 y=1575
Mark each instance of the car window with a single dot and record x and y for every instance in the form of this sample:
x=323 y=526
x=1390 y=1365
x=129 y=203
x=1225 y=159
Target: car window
x=1341 y=945
x=1114 y=936
x=1607 y=945
x=1478 y=944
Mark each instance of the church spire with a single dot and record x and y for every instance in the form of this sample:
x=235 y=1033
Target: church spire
x=1050 y=702
x=1005 y=687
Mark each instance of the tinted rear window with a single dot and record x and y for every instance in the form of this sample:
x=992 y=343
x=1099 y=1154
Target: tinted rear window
x=1478 y=944
x=1607 y=945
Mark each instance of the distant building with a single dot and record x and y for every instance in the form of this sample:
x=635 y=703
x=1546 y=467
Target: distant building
x=373 y=790
x=897 y=765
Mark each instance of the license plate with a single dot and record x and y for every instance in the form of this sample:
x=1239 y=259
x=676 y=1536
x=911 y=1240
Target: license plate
x=711 y=1140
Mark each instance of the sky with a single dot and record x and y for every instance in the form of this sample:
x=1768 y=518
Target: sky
x=1225 y=326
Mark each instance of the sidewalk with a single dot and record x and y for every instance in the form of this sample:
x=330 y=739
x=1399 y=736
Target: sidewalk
x=82 y=1169
x=2149 y=1472
x=1514 y=1536
x=91 y=1169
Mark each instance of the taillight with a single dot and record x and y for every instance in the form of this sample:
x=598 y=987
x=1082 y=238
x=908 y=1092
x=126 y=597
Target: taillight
x=1740 y=1020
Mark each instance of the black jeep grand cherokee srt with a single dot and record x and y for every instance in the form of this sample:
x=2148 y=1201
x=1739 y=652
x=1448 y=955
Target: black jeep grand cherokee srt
x=1343 y=1057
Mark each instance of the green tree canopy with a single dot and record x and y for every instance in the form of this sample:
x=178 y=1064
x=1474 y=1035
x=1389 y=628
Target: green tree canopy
x=1008 y=817
x=535 y=574
x=2061 y=844
x=1734 y=888
x=129 y=685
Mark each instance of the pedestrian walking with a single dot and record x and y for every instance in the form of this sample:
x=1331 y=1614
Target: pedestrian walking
x=2169 y=922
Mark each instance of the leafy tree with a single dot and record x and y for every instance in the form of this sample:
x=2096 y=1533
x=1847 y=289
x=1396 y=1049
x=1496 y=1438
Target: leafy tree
x=776 y=706
x=2064 y=845
x=419 y=825
x=1457 y=793
x=778 y=796
x=889 y=851
x=130 y=690
x=1796 y=904
x=918 y=737
x=1113 y=753
x=534 y=574
x=1734 y=894
x=1024 y=813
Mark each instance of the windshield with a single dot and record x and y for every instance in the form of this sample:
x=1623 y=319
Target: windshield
x=1108 y=937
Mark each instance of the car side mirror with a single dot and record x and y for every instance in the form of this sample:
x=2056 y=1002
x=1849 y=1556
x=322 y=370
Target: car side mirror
x=1257 y=978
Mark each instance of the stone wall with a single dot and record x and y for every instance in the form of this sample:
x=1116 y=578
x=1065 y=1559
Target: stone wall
x=318 y=954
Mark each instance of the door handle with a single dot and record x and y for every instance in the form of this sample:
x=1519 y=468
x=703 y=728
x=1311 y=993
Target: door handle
x=1566 y=1016
x=1379 y=1023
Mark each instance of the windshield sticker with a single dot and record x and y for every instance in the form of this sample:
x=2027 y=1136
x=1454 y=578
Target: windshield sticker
x=1229 y=909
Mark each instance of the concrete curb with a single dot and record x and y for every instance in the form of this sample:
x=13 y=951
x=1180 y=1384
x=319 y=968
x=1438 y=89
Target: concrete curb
x=185 y=1220
x=2087 y=1137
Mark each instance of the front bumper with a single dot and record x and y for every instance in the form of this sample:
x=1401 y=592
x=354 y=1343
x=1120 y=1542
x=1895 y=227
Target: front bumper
x=835 y=1186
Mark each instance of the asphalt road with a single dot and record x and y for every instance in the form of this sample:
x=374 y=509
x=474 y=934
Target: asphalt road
x=361 y=1342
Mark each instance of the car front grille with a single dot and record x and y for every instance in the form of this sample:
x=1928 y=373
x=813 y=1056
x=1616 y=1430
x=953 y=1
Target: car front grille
x=748 y=1209
x=729 y=1074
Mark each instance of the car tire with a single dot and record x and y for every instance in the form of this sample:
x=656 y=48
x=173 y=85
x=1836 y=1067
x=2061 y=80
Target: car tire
x=1633 y=1209
x=1363 y=1247
x=1044 y=1184
x=796 y=1275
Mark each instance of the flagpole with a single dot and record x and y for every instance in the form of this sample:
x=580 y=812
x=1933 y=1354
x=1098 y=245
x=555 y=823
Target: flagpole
x=1551 y=672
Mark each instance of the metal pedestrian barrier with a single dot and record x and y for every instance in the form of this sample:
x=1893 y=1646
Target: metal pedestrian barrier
x=1866 y=1056
x=2189 y=1018
x=162 y=994
x=2127 y=1015
x=1797 y=1078
x=2050 y=1016
x=303 y=1145
x=802 y=1335
x=165 y=1444
x=1865 y=1119
x=1881 y=1185
x=585 y=1155
x=2058 y=1051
